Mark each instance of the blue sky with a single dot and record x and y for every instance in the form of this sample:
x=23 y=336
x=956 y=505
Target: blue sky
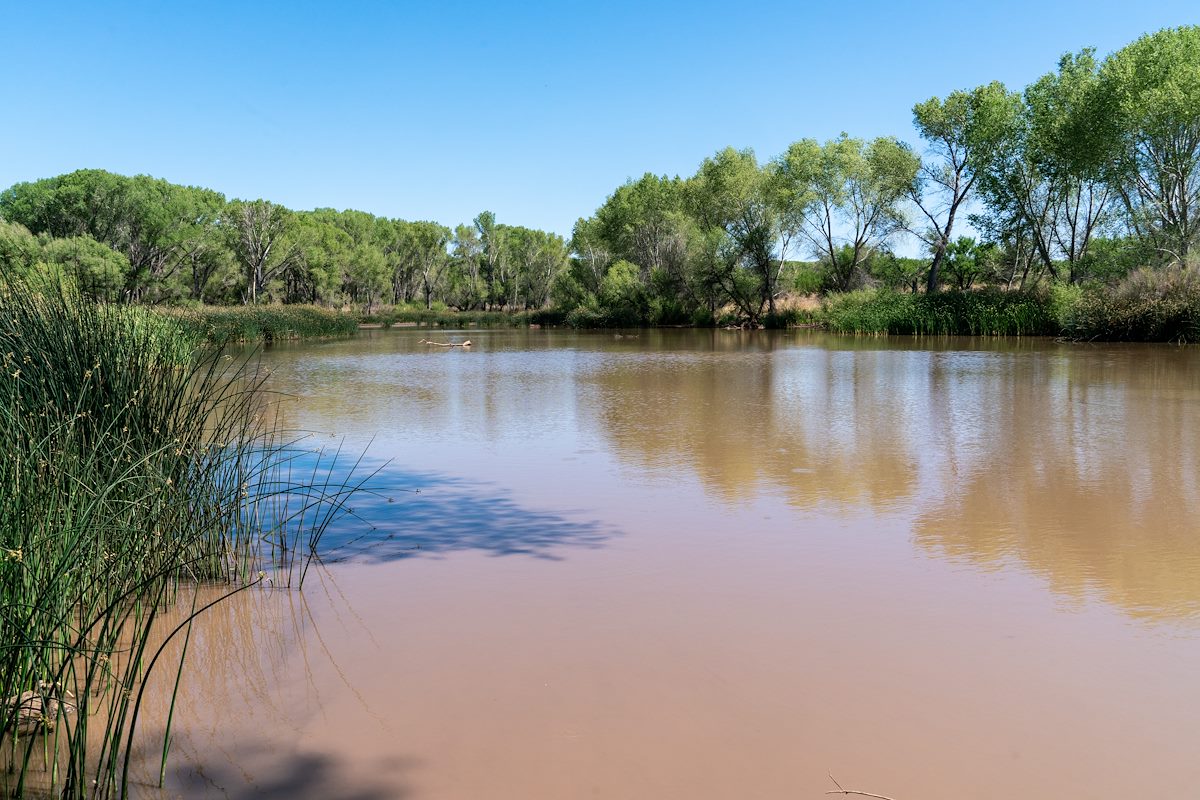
x=536 y=111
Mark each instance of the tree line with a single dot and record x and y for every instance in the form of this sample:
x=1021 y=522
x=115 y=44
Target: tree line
x=143 y=239
x=1089 y=171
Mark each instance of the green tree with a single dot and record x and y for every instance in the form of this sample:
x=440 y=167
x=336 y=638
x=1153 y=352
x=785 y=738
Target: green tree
x=153 y=223
x=732 y=195
x=465 y=274
x=426 y=244
x=963 y=133
x=1149 y=98
x=264 y=239
x=845 y=197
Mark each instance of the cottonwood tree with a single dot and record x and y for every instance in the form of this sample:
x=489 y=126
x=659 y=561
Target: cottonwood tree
x=1149 y=96
x=425 y=248
x=731 y=194
x=539 y=257
x=262 y=237
x=963 y=133
x=845 y=197
x=494 y=265
x=1046 y=178
x=155 y=224
x=593 y=253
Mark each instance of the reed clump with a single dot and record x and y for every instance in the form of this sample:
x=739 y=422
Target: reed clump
x=136 y=462
x=986 y=312
x=265 y=323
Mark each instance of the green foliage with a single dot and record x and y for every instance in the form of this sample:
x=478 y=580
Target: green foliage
x=1149 y=108
x=964 y=133
x=977 y=313
x=135 y=467
x=96 y=268
x=262 y=323
x=1150 y=305
x=156 y=225
x=844 y=198
x=1088 y=174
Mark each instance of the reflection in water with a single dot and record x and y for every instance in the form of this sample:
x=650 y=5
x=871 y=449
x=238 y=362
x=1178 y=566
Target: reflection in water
x=833 y=556
x=743 y=422
x=257 y=676
x=1080 y=462
x=1085 y=469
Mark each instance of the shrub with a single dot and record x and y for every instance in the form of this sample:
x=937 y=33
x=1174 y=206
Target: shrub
x=1151 y=305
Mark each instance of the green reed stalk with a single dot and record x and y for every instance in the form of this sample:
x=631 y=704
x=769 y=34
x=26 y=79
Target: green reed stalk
x=135 y=463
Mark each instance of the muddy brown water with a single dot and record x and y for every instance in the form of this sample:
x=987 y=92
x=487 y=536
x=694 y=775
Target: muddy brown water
x=719 y=564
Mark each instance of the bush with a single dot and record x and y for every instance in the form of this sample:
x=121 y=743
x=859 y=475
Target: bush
x=1150 y=305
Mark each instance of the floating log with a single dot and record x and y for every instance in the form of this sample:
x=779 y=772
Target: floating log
x=467 y=343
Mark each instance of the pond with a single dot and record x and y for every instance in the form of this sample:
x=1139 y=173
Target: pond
x=715 y=564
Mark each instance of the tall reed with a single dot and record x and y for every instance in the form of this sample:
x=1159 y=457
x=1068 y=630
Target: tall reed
x=985 y=312
x=135 y=460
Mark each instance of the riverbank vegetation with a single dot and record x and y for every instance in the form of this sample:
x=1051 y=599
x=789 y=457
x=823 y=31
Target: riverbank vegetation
x=1089 y=177
x=267 y=323
x=137 y=467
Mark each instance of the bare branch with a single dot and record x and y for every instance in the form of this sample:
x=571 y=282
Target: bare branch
x=841 y=790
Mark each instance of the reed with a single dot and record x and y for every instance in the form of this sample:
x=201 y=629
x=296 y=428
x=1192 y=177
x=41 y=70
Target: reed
x=985 y=312
x=136 y=461
x=264 y=323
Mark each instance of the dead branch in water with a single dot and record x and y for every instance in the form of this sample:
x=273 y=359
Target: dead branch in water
x=840 y=790
x=467 y=343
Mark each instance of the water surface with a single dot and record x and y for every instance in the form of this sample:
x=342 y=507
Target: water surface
x=710 y=564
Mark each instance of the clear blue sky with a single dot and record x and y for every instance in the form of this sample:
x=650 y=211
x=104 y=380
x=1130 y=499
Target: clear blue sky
x=536 y=111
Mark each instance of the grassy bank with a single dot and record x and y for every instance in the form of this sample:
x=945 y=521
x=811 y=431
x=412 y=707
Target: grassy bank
x=978 y=313
x=1148 y=306
x=446 y=318
x=135 y=463
x=263 y=323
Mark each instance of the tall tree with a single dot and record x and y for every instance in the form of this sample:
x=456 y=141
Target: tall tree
x=1149 y=96
x=845 y=197
x=262 y=238
x=732 y=194
x=962 y=132
x=466 y=266
x=427 y=243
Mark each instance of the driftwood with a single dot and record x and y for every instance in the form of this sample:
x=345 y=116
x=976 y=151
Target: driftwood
x=467 y=343
x=840 y=790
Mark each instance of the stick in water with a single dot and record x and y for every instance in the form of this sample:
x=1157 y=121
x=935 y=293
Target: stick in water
x=840 y=790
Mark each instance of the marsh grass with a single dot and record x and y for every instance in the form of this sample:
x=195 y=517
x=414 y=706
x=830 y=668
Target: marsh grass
x=135 y=462
x=975 y=313
x=265 y=323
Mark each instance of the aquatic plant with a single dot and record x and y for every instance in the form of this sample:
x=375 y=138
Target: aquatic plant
x=263 y=322
x=136 y=461
x=987 y=312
